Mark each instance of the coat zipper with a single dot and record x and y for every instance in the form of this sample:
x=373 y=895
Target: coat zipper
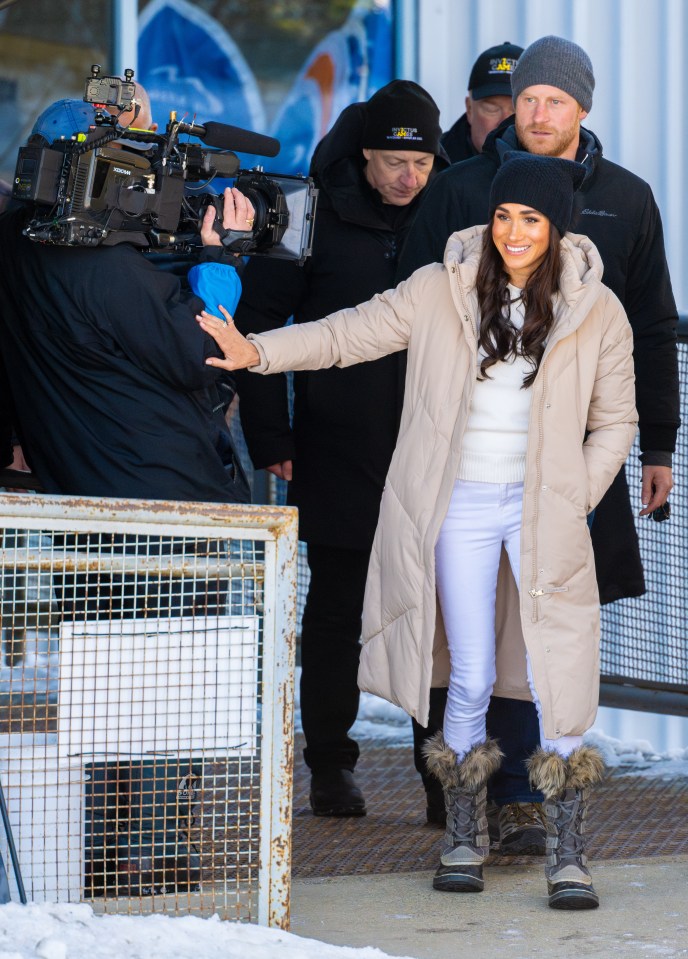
x=534 y=591
x=466 y=315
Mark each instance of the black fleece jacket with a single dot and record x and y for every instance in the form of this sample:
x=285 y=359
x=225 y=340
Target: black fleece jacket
x=617 y=210
x=457 y=141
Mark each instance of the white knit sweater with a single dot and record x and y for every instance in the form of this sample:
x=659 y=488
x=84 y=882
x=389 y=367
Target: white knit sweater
x=494 y=444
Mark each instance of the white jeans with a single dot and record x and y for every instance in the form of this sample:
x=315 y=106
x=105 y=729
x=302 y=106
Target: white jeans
x=481 y=517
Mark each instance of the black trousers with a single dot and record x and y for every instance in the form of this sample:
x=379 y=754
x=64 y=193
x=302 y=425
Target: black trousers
x=330 y=651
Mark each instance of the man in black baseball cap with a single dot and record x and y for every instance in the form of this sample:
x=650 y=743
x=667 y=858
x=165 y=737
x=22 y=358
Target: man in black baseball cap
x=487 y=104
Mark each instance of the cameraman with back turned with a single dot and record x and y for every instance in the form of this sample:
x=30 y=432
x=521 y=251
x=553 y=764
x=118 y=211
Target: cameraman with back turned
x=102 y=371
x=106 y=364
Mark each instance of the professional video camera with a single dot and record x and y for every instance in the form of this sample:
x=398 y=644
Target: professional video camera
x=123 y=185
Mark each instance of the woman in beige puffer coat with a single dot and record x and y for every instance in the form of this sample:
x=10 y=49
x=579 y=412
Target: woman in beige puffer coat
x=580 y=424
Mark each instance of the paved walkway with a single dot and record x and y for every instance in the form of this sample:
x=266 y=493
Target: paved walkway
x=367 y=882
x=643 y=913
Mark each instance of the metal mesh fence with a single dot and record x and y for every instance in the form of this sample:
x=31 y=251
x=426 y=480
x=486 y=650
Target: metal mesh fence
x=644 y=639
x=145 y=682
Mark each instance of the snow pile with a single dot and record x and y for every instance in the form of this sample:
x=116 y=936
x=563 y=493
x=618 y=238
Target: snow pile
x=73 y=930
x=639 y=757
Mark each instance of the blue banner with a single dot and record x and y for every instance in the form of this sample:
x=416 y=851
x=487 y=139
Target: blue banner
x=189 y=63
x=348 y=66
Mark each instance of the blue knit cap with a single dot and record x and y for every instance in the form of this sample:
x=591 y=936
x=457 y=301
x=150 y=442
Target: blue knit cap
x=64 y=118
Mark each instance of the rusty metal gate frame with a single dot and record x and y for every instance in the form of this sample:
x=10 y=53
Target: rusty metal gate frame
x=276 y=528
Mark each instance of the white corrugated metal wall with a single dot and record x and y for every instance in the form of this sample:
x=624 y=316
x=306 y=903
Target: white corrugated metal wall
x=638 y=49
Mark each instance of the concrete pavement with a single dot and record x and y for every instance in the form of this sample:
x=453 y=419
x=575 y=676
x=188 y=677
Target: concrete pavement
x=643 y=913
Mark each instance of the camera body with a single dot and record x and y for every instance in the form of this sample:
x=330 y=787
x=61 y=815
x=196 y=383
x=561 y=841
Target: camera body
x=122 y=185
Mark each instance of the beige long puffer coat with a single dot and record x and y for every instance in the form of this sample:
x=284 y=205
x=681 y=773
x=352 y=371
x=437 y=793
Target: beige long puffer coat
x=585 y=383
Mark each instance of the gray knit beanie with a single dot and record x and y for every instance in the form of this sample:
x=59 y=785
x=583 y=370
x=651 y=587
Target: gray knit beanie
x=555 y=62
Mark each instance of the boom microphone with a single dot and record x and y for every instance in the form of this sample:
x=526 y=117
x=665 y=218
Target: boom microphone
x=226 y=137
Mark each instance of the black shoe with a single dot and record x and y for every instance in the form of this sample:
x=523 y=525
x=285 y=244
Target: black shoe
x=435 y=810
x=334 y=793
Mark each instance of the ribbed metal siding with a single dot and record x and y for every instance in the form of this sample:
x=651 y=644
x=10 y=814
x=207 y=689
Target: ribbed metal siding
x=638 y=50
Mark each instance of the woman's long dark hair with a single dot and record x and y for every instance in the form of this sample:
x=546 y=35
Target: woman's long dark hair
x=497 y=337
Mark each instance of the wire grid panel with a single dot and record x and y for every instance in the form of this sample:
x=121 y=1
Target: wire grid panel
x=644 y=638
x=146 y=691
x=277 y=495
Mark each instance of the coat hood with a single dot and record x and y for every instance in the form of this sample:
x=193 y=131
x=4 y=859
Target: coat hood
x=581 y=267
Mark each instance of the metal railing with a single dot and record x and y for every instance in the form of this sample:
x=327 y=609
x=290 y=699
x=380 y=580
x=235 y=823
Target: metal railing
x=146 y=698
x=644 y=652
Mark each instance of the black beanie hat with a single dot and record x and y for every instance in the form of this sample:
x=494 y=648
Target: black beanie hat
x=546 y=184
x=402 y=116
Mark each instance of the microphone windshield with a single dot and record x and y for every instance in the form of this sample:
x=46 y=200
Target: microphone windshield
x=225 y=137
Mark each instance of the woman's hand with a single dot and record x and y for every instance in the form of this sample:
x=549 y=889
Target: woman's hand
x=239 y=352
x=238 y=214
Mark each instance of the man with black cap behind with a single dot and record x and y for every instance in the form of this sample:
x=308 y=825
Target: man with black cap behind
x=371 y=169
x=553 y=85
x=488 y=101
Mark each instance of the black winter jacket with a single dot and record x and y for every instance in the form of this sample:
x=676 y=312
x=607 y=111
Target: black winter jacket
x=617 y=210
x=457 y=141
x=345 y=421
x=105 y=363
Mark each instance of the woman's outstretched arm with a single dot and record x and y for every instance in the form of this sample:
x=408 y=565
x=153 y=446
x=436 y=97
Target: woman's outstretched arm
x=239 y=353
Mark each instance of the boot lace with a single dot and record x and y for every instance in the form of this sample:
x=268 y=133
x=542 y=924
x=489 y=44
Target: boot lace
x=570 y=818
x=462 y=817
x=518 y=814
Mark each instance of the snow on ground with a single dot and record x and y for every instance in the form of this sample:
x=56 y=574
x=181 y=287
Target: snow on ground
x=73 y=931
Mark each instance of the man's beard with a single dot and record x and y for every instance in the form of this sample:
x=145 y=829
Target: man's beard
x=556 y=144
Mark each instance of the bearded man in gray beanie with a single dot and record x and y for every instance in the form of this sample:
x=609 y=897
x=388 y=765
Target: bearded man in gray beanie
x=552 y=85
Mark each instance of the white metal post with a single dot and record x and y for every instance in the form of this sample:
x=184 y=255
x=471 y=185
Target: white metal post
x=277 y=732
x=125 y=34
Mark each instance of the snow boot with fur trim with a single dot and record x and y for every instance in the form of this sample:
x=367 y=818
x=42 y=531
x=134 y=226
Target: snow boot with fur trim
x=466 y=844
x=566 y=784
